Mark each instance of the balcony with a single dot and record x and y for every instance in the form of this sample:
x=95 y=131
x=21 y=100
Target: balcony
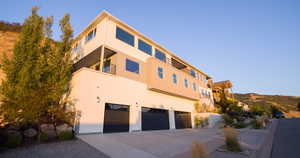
x=94 y=60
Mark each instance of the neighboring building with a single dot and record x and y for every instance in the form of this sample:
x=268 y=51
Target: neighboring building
x=222 y=87
x=124 y=82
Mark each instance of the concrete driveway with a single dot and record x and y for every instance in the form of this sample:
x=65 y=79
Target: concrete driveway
x=153 y=144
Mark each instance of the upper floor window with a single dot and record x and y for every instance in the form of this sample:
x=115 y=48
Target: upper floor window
x=186 y=84
x=160 y=72
x=174 y=76
x=145 y=47
x=90 y=35
x=193 y=73
x=124 y=36
x=132 y=66
x=194 y=86
x=160 y=55
x=76 y=47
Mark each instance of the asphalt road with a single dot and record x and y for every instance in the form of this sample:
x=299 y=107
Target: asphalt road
x=286 y=142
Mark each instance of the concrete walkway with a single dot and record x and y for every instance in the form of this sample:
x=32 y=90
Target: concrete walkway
x=153 y=144
x=171 y=143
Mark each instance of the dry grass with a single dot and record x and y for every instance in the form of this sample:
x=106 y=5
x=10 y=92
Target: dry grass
x=231 y=140
x=198 y=150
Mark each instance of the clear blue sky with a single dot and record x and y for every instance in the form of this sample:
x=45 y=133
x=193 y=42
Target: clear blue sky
x=253 y=43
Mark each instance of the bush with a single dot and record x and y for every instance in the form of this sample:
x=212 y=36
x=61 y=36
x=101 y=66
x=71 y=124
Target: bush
x=201 y=122
x=43 y=137
x=258 y=110
x=231 y=140
x=198 y=150
x=65 y=135
x=240 y=125
x=13 y=141
x=257 y=124
x=228 y=120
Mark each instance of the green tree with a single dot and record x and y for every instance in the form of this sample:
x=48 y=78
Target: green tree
x=38 y=75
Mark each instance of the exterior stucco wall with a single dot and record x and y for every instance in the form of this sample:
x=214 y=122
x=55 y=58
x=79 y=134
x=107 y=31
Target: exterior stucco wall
x=93 y=89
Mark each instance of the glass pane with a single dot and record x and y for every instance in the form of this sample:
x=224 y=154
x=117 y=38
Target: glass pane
x=132 y=66
x=143 y=46
x=160 y=55
x=125 y=36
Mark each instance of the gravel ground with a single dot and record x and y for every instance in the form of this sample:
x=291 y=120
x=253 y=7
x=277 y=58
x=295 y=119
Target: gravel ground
x=65 y=149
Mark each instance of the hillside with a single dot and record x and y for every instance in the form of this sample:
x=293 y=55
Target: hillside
x=7 y=42
x=288 y=104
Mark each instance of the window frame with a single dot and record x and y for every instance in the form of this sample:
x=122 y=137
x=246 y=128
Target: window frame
x=141 y=44
x=120 y=36
x=160 y=73
x=157 y=51
x=127 y=68
x=194 y=86
x=186 y=83
x=174 y=78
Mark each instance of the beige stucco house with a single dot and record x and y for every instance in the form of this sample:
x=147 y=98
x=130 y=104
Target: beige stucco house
x=124 y=82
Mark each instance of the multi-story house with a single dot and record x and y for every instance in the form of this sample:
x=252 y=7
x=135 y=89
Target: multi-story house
x=123 y=81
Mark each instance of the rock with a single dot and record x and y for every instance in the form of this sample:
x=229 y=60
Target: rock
x=49 y=130
x=13 y=133
x=47 y=127
x=30 y=133
x=63 y=127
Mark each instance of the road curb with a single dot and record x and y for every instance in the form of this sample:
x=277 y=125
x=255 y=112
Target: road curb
x=265 y=148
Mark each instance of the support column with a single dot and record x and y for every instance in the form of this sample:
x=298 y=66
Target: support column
x=172 y=119
x=101 y=58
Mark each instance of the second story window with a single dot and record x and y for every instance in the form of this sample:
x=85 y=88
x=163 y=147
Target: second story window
x=160 y=55
x=193 y=73
x=90 y=35
x=186 y=83
x=174 y=76
x=132 y=66
x=194 y=86
x=160 y=72
x=124 y=36
x=145 y=47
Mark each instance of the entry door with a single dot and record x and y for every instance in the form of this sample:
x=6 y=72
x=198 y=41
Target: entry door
x=183 y=120
x=155 y=119
x=116 y=118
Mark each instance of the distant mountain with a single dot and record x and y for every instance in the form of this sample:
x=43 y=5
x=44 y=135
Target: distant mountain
x=288 y=104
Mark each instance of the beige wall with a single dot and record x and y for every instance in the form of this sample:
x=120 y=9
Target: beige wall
x=88 y=85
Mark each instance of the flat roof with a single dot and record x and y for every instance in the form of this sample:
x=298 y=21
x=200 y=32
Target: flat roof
x=104 y=14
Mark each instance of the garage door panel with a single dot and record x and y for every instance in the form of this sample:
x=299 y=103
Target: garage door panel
x=155 y=119
x=183 y=120
x=116 y=118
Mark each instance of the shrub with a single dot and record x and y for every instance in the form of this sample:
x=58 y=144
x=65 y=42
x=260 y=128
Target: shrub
x=231 y=140
x=240 y=125
x=13 y=141
x=201 y=122
x=258 y=110
x=65 y=135
x=228 y=120
x=43 y=137
x=257 y=123
x=198 y=150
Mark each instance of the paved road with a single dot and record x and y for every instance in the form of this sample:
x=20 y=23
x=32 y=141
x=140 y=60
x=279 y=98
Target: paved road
x=287 y=139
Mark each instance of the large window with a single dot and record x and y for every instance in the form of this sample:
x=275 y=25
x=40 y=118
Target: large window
x=145 y=47
x=160 y=55
x=174 y=76
x=124 y=36
x=132 y=66
x=186 y=83
x=90 y=35
x=193 y=73
x=160 y=72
